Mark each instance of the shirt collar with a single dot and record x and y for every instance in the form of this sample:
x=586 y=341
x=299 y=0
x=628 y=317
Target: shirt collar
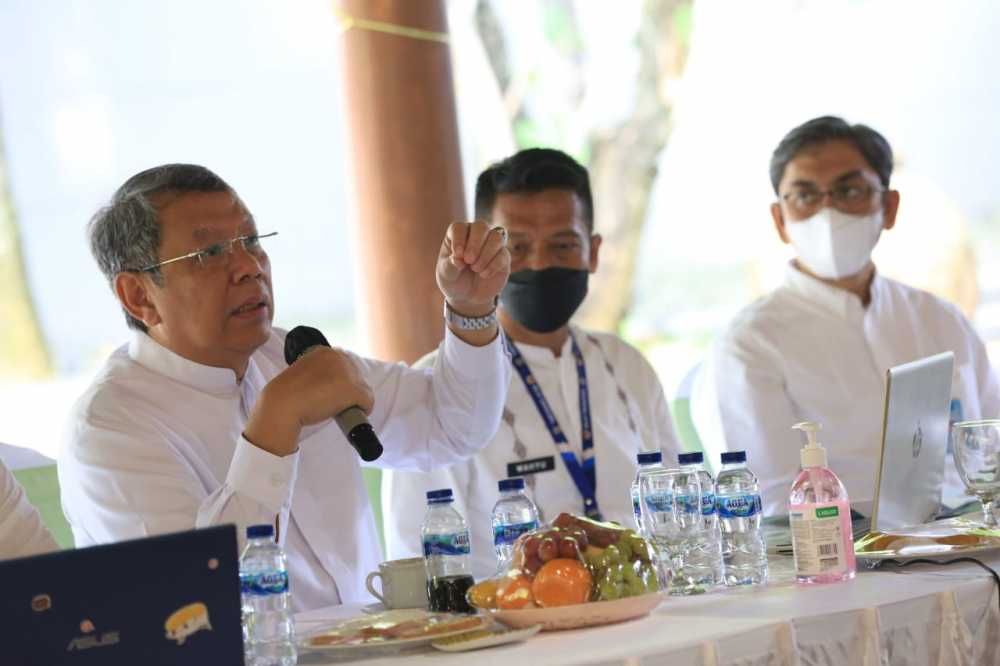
x=536 y=355
x=838 y=302
x=150 y=354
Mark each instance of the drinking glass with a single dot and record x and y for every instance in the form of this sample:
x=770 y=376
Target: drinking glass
x=977 y=456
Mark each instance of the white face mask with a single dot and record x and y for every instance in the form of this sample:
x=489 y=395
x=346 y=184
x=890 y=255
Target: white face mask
x=834 y=245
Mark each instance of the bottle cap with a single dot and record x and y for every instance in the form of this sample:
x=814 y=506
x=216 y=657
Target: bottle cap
x=260 y=532
x=516 y=483
x=443 y=495
x=813 y=454
x=695 y=458
x=650 y=457
x=732 y=457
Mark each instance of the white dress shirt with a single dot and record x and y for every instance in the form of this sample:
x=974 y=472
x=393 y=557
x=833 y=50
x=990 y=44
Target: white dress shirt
x=155 y=445
x=629 y=414
x=809 y=351
x=21 y=530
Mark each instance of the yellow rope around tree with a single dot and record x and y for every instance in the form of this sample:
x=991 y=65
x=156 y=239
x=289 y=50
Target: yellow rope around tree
x=347 y=22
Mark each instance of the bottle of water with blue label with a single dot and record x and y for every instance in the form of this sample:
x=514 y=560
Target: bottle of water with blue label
x=513 y=515
x=445 y=538
x=264 y=577
x=705 y=561
x=648 y=461
x=737 y=498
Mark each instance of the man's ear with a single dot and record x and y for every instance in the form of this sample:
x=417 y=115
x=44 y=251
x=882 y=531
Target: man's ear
x=891 y=208
x=595 y=249
x=779 y=222
x=132 y=290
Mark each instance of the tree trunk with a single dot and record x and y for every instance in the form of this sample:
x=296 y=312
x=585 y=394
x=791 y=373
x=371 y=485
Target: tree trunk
x=23 y=353
x=622 y=160
x=623 y=163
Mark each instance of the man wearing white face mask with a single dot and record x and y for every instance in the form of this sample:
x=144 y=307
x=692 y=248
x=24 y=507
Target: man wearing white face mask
x=817 y=348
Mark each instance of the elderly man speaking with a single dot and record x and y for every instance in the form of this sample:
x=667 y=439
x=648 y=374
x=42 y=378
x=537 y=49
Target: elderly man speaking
x=199 y=421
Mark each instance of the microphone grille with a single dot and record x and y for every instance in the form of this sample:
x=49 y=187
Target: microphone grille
x=301 y=338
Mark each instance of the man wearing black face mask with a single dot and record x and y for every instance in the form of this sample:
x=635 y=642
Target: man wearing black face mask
x=582 y=404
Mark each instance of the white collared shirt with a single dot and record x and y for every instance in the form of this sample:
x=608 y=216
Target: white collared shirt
x=21 y=530
x=812 y=352
x=155 y=445
x=629 y=414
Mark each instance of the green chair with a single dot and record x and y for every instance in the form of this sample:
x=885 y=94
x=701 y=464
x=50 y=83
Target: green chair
x=680 y=411
x=373 y=483
x=41 y=485
x=37 y=475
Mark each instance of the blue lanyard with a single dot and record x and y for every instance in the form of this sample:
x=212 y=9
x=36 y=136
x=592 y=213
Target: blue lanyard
x=584 y=474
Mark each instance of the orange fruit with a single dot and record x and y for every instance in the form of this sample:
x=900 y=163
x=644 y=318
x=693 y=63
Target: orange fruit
x=561 y=582
x=483 y=594
x=514 y=592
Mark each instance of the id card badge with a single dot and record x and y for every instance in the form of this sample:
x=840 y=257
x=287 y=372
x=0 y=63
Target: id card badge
x=529 y=467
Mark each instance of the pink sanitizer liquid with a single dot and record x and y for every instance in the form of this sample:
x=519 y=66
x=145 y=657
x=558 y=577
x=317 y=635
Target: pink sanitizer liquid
x=819 y=514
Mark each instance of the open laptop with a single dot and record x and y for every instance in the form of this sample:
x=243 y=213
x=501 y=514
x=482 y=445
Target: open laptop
x=914 y=443
x=172 y=599
x=910 y=473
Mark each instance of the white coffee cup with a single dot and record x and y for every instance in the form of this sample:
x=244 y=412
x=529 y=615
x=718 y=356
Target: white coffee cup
x=404 y=583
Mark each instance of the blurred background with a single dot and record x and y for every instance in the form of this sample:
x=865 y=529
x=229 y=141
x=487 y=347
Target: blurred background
x=674 y=106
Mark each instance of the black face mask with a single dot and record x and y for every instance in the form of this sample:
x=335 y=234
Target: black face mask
x=543 y=301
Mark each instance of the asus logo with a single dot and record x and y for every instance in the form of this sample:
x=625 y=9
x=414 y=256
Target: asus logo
x=88 y=642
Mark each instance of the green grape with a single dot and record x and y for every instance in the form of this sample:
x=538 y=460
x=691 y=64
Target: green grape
x=630 y=575
x=649 y=578
x=617 y=572
x=640 y=548
x=625 y=548
x=634 y=587
x=613 y=554
x=607 y=591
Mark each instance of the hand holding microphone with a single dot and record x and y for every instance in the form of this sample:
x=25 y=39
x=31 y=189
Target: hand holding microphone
x=323 y=385
x=353 y=420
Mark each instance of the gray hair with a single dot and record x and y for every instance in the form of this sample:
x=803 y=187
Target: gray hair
x=125 y=234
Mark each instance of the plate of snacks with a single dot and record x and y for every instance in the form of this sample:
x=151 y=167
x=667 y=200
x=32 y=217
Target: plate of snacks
x=390 y=631
x=577 y=572
x=952 y=537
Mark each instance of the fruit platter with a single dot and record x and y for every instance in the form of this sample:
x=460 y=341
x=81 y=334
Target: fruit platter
x=576 y=572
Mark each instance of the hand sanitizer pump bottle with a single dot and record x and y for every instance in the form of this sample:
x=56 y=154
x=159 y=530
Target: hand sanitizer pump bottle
x=819 y=514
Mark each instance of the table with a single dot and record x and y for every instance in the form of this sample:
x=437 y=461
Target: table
x=918 y=615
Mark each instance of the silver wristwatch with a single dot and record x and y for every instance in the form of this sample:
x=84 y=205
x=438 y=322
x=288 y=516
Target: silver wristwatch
x=463 y=323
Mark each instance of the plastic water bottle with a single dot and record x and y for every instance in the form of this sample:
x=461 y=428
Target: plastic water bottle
x=513 y=515
x=445 y=537
x=647 y=461
x=246 y=613
x=264 y=572
x=737 y=497
x=705 y=561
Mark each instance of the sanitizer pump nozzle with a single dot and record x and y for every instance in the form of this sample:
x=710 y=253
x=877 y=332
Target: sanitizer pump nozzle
x=813 y=454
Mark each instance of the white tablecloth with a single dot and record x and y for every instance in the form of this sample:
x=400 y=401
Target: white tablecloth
x=917 y=615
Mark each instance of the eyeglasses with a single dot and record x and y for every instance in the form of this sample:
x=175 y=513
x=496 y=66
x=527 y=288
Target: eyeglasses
x=848 y=197
x=219 y=254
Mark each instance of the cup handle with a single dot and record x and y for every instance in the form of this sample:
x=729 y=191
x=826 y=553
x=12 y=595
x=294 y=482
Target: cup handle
x=371 y=589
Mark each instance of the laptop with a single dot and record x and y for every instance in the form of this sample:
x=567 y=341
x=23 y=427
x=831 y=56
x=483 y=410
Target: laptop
x=171 y=599
x=910 y=473
x=914 y=443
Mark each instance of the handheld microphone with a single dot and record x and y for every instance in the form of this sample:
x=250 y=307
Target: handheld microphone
x=352 y=421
